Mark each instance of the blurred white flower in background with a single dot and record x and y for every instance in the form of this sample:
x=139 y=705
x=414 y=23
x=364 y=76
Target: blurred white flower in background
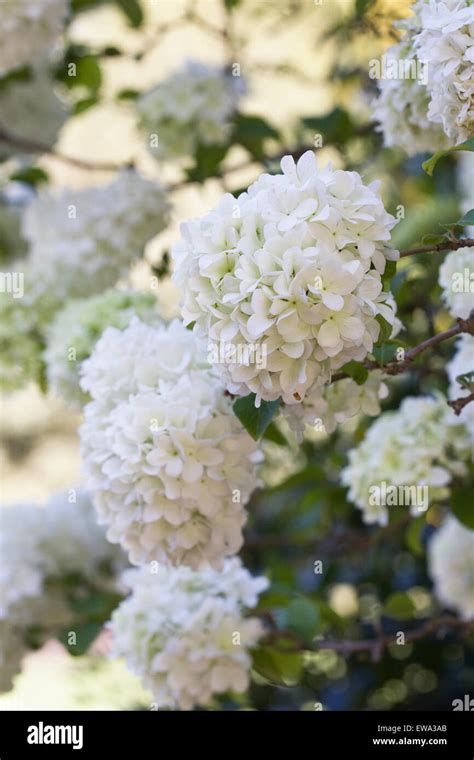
x=386 y=455
x=13 y=198
x=28 y=30
x=433 y=109
x=461 y=364
x=184 y=632
x=40 y=547
x=30 y=110
x=451 y=566
x=169 y=465
x=193 y=107
x=72 y=336
x=82 y=242
x=293 y=265
x=455 y=277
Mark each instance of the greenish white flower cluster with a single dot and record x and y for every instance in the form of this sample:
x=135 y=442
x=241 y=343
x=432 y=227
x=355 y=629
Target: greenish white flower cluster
x=29 y=30
x=184 y=631
x=456 y=275
x=76 y=329
x=451 y=566
x=193 y=107
x=40 y=546
x=417 y=445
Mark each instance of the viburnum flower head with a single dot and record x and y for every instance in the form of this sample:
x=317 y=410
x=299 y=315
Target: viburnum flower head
x=462 y=366
x=456 y=277
x=29 y=30
x=422 y=425
x=76 y=329
x=169 y=464
x=83 y=241
x=294 y=266
x=184 y=632
x=451 y=566
x=193 y=107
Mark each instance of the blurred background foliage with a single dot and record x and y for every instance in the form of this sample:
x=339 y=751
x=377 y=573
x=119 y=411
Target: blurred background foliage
x=306 y=68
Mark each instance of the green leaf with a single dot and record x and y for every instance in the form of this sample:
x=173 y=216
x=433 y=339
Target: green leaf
x=85 y=635
x=399 y=606
x=462 y=505
x=429 y=165
x=278 y=667
x=128 y=94
x=302 y=617
x=389 y=273
x=385 y=353
x=251 y=132
x=413 y=536
x=254 y=420
x=132 y=10
x=466 y=381
x=273 y=434
x=84 y=105
x=207 y=159
x=385 y=330
x=231 y=4
x=335 y=127
x=356 y=370
x=87 y=72
x=31 y=175
x=468 y=218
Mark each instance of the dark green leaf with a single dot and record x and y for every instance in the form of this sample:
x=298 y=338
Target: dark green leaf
x=272 y=433
x=385 y=330
x=254 y=420
x=468 y=218
x=356 y=370
x=278 y=667
x=385 y=353
x=251 y=132
x=335 y=127
x=399 y=606
x=85 y=635
x=389 y=273
x=302 y=617
x=466 y=381
x=128 y=94
x=132 y=10
x=31 y=175
x=207 y=159
x=429 y=165
x=413 y=536
x=84 y=105
x=462 y=504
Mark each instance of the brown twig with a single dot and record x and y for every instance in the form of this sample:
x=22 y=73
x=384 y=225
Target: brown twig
x=376 y=646
x=448 y=245
x=459 y=403
x=395 y=368
x=33 y=146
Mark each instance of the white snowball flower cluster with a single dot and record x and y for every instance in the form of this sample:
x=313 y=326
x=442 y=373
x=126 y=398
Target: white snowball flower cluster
x=446 y=43
x=83 y=241
x=28 y=30
x=431 y=108
x=194 y=106
x=455 y=277
x=337 y=403
x=386 y=456
x=451 y=566
x=30 y=110
x=168 y=462
x=292 y=267
x=76 y=329
x=401 y=110
x=184 y=632
x=462 y=363
x=39 y=546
